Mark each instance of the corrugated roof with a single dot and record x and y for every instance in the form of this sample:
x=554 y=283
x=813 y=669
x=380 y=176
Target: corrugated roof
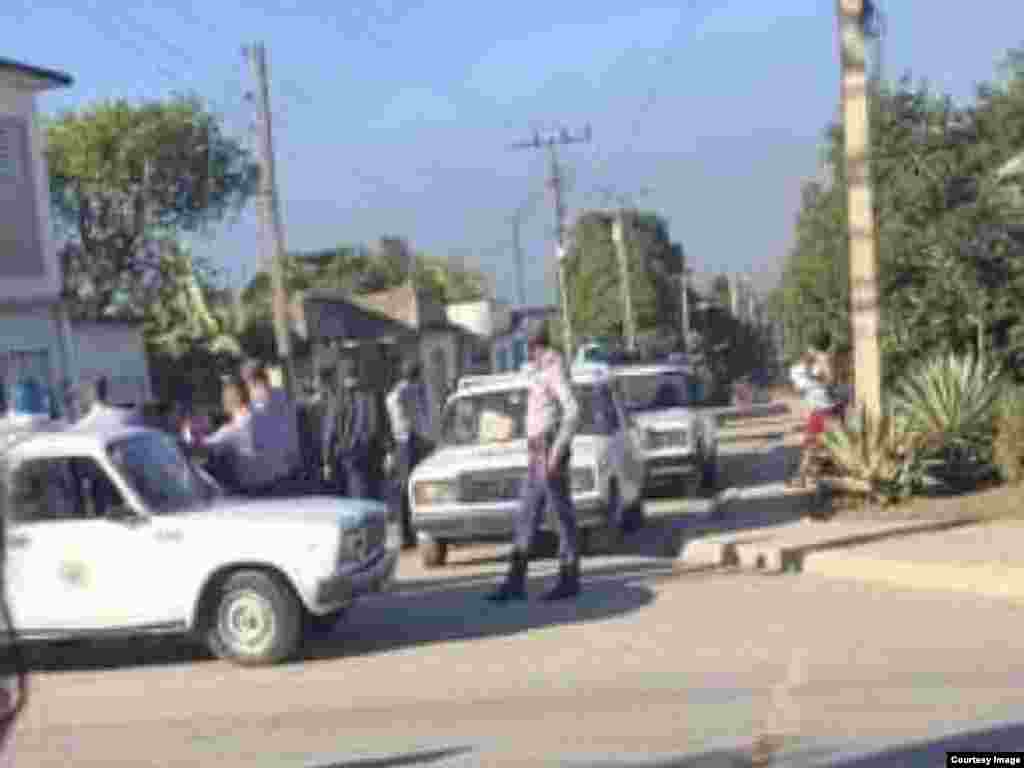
x=50 y=77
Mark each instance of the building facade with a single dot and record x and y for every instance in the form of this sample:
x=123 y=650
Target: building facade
x=36 y=343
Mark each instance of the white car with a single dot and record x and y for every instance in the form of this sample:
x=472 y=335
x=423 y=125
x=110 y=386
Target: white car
x=680 y=441
x=468 y=489
x=114 y=530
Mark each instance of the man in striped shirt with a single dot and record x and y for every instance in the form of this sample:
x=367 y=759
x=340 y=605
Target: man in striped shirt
x=552 y=420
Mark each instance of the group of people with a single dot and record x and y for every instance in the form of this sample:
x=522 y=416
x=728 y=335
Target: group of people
x=822 y=377
x=266 y=448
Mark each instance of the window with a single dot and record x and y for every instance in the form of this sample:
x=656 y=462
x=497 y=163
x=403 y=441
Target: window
x=656 y=391
x=598 y=415
x=8 y=162
x=158 y=471
x=493 y=417
x=25 y=377
x=48 y=490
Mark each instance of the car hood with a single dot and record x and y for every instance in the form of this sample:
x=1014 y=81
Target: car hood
x=670 y=418
x=333 y=511
x=449 y=461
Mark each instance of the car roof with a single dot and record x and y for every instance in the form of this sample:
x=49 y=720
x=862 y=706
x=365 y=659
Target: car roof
x=69 y=437
x=502 y=382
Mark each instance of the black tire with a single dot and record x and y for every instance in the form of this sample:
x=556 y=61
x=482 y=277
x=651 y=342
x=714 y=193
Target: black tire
x=709 y=474
x=433 y=553
x=634 y=516
x=324 y=625
x=273 y=617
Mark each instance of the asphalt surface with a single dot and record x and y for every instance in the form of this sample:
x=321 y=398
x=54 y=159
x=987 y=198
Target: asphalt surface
x=653 y=665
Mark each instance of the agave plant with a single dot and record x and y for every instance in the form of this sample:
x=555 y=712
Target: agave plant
x=950 y=404
x=951 y=398
x=875 y=458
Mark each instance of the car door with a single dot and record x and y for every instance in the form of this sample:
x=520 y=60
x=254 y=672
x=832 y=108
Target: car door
x=632 y=454
x=78 y=561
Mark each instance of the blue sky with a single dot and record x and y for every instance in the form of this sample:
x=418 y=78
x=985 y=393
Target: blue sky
x=393 y=117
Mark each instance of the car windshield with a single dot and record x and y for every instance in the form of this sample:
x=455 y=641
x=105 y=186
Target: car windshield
x=499 y=417
x=656 y=391
x=157 y=470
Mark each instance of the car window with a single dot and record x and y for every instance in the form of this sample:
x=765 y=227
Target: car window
x=656 y=391
x=158 y=471
x=598 y=415
x=61 y=489
x=485 y=418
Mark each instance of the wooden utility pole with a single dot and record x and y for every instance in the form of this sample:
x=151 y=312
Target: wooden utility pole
x=555 y=183
x=864 y=298
x=270 y=213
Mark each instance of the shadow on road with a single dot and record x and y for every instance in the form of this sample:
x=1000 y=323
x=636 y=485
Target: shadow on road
x=416 y=613
x=1007 y=738
x=396 y=761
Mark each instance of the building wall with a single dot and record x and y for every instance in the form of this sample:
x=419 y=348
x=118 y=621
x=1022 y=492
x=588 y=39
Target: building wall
x=29 y=267
x=30 y=345
x=117 y=351
x=483 y=318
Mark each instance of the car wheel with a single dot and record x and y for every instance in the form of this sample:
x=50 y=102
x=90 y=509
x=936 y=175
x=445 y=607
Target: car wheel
x=433 y=553
x=256 y=620
x=709 y=473
x=608 y=537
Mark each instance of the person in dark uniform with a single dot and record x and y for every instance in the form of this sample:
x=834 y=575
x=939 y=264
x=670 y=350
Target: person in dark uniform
x=350 y=430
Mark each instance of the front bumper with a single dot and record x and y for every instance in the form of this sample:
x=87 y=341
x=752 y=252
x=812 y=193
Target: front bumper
x=666 y=467
x=348 y=583
x=497 y=521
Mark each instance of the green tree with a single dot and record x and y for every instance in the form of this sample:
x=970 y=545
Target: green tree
x=126 y=177
x=593 y=275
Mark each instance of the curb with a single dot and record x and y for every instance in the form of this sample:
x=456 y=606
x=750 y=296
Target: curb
x=760 y=549
x=984 y=579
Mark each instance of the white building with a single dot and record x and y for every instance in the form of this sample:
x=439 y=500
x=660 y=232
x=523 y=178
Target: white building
x=35 y=335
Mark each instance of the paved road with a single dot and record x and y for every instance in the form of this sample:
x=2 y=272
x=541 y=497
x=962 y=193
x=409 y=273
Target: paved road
x=652 y=660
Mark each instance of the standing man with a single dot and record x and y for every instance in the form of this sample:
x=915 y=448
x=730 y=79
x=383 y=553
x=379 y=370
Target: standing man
x=552 y=419
x=408 y=414
x=234 y=461
x=275 y=425
x=349 y=433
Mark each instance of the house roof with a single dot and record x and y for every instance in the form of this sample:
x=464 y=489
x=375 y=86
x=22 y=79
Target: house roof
x=401 y=303
x=42 y=78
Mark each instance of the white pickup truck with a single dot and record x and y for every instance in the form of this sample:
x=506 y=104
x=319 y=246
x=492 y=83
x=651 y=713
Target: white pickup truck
x=114 y=530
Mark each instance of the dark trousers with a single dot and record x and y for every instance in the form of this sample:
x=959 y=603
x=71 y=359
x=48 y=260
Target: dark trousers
x=539 y=491
x=353 y=473
x=407 y=455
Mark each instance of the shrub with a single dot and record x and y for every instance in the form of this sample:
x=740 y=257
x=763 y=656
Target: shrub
x=877 y=459
x=950 y=405
x=1008 y=446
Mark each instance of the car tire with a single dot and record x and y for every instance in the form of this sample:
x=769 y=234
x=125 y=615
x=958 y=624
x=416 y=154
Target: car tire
x=324 y=625
x=433 y=553
x=256 y=620
x=709 y=474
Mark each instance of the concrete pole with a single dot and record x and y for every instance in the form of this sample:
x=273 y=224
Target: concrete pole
x=684 y=282
x=864 y=297
x=625 y=287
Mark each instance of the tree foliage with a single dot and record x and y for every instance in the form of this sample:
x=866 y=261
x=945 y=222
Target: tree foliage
x=124 y=178
x=594 y=278
x=951 y=256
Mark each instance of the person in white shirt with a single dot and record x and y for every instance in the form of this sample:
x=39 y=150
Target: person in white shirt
x=275 y=424
x=236 y=462
x=410 y=424
x=813 y=378
x=101 y=414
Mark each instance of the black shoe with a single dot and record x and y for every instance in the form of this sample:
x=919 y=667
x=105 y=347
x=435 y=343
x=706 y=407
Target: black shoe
x=409 y=542
x=568 y=583
x=514 y=586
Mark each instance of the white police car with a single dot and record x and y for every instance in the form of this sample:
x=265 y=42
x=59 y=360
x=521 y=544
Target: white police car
x=468 y=489
x=678 y=439
x=114 y=530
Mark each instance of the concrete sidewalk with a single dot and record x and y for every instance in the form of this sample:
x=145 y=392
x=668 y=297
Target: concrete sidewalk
x=982 y=559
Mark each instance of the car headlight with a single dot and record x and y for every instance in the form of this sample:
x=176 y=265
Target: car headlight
x=430 y=492
x=583 y=480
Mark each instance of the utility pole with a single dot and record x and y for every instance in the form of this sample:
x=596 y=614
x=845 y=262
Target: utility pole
x=621 y=240
x=562 y=138
x=517 y=244
x=863 y=260
x=270 y=214
x=684 y=282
